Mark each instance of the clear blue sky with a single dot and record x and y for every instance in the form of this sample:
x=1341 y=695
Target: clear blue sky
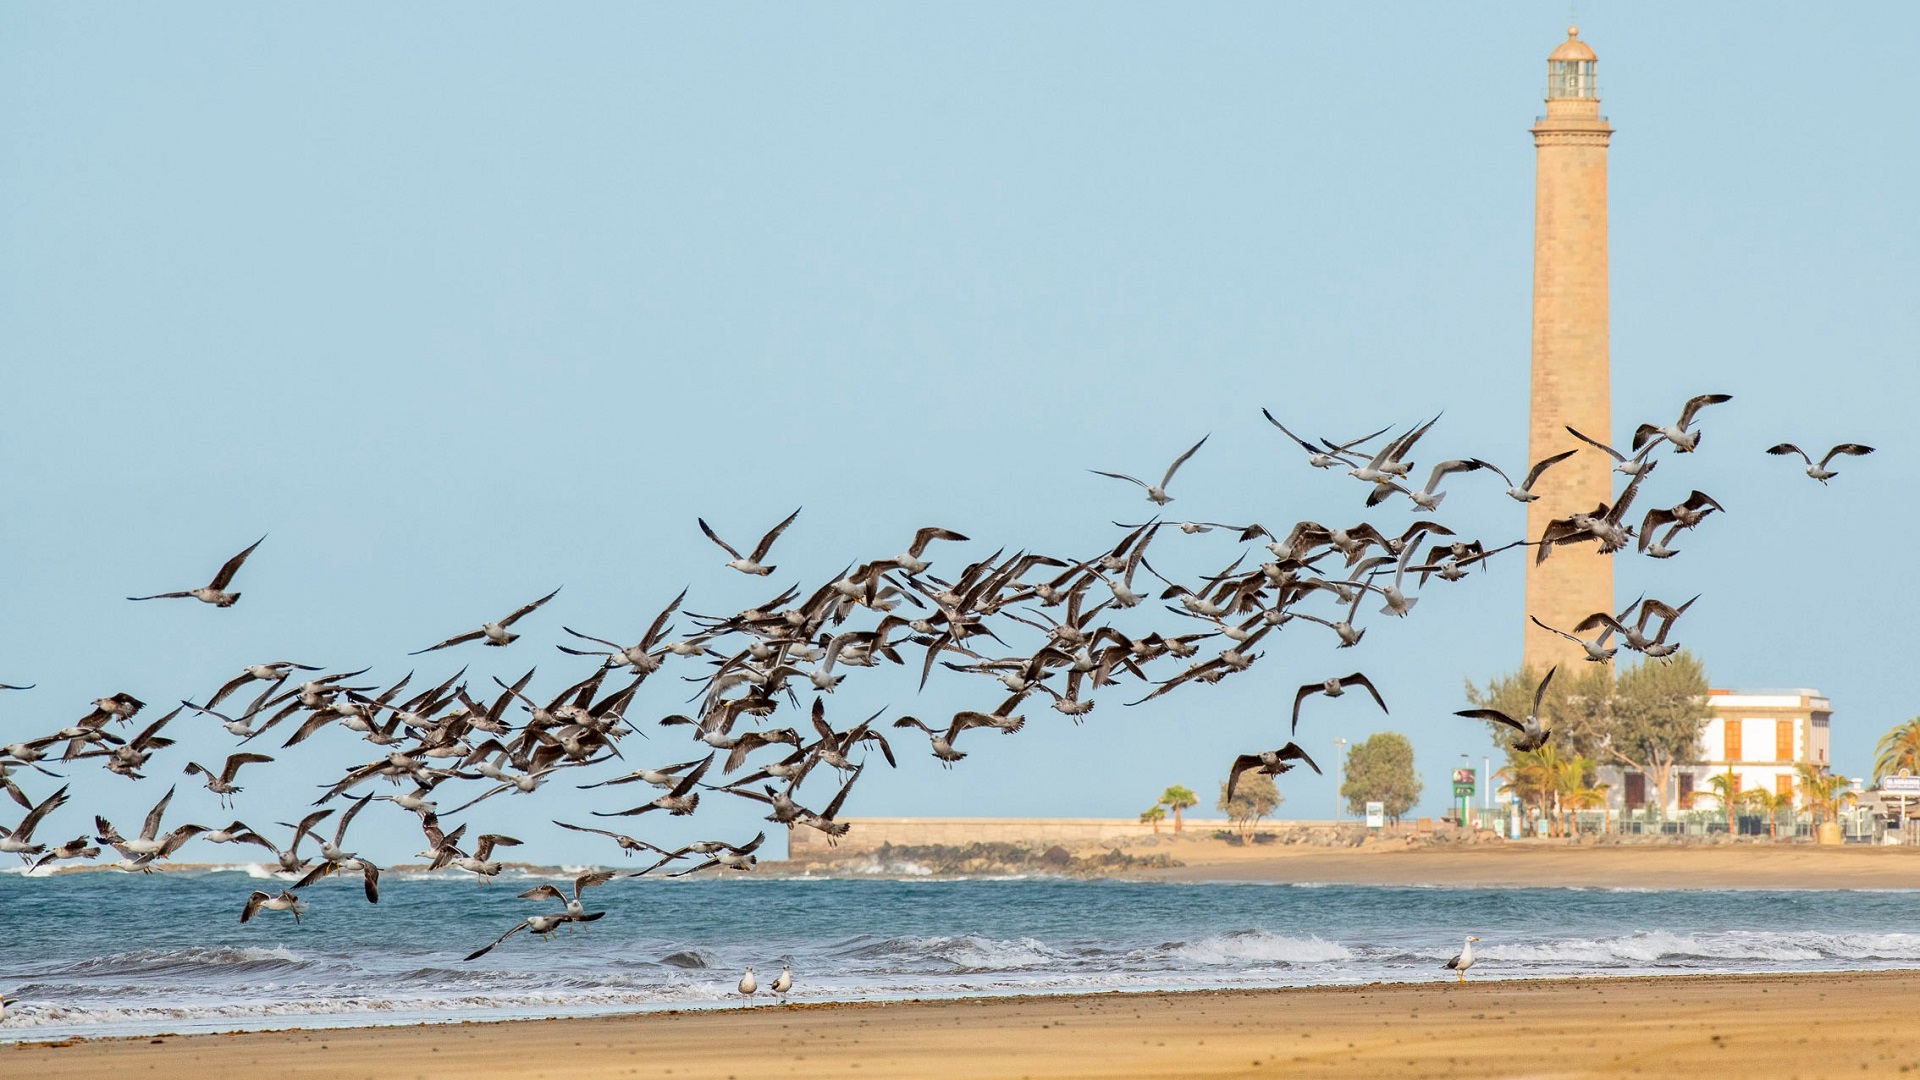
x=461 y=302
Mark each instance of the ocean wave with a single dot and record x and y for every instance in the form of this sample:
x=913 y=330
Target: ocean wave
x=1242 y=946
x=181 y=962
x=963 y=952
x=1661 y=947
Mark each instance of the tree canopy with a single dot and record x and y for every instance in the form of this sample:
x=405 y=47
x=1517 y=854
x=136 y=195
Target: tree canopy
x=1380 y=769
x=1177 y=798
x=1254 y=798
x=1898 y=749
x=1648 y=716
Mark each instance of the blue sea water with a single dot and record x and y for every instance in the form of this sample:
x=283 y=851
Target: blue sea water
x=113 y=954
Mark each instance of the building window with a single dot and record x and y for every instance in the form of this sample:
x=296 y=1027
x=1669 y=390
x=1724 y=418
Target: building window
x=1636 y=790
x=1735 y=778
x=1783 y=786
x=1730 y=732
x=1783 y=740
x=1686 y=789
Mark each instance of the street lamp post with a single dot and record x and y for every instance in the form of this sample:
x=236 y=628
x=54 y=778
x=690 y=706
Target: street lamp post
x=1339 y=773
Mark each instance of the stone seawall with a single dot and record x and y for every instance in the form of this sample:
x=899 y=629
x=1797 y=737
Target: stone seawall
x=870 y=833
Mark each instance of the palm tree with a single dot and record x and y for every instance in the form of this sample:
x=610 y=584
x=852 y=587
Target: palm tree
x=1531 y=777
x=1724 y=787
x=1826 y=792
x=1570 y=788
x=1591 y=797
x=1176 y=799
x=1769 y=803
x=1154 y=815
x=1899 y=749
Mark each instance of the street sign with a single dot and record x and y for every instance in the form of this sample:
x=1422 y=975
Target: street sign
x=1463 y=785
x=1376 y=815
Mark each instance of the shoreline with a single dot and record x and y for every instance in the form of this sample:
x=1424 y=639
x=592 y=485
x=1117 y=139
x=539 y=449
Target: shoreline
x=1807 y=1024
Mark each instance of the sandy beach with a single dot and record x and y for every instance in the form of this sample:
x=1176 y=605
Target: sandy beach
x=1777 y=1026
x=1550 y=864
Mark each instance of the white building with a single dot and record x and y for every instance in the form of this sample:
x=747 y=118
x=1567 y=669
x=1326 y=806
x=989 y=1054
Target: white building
x=1761 y=735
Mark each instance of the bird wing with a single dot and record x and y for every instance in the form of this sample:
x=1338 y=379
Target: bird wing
x=1493 y=715
x=1453 y=466
x=517 y=615
x=659 y=626
x=254 y=900
x=923 y=537
x=1304 y=444
x=1299 y=696
x=519 y=926
x=1182 y=460
x=1610 y=451
x=1240 y=764
x=1292 y=752
x=693 y=777
x=162 y=596
x=711 y=535
x=1383 y=489
x=1695 y=404
x=152 y=827
x=1543 y=465
x=544 y=892
x=766 y=542
x=1789 y=448
x=234 y=761
x=24 y=830
x=1851 y=449
x=1541 y=691
x=1700 y=500
x=1118 y=476
x=232 y=566
x=472 y=635
x=1562 y=633
x=834 y=806
x=1358 y=679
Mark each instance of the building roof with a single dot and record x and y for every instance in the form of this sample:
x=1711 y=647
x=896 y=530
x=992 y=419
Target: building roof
x=1572 y=48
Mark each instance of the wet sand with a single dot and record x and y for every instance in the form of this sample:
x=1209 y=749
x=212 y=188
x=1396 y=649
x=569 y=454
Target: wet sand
x=1774 y=1025
x=1732 y=866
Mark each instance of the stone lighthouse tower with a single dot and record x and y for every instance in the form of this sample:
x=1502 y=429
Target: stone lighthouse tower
x=1570 y=386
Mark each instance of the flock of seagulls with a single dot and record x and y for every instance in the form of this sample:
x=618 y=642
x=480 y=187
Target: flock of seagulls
x=1092 y=621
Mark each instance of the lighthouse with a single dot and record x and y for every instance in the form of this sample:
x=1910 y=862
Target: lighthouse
x=1569 y=376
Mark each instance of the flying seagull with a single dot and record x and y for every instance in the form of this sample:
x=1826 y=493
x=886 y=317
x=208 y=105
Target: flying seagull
x=1267 y=763
x=1683 y=441
x=1533 y=733
x=1333 y=688
x=1157 y=493
x=544 y=925
x=1820 y=472
x=214 y=593
x=496 y=633
x=751 y=564
x=1523 y=492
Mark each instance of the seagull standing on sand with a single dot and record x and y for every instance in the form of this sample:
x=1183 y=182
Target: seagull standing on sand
x=783 y=982
x=1463 y=961
x=748 y=986
x=215 y=592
